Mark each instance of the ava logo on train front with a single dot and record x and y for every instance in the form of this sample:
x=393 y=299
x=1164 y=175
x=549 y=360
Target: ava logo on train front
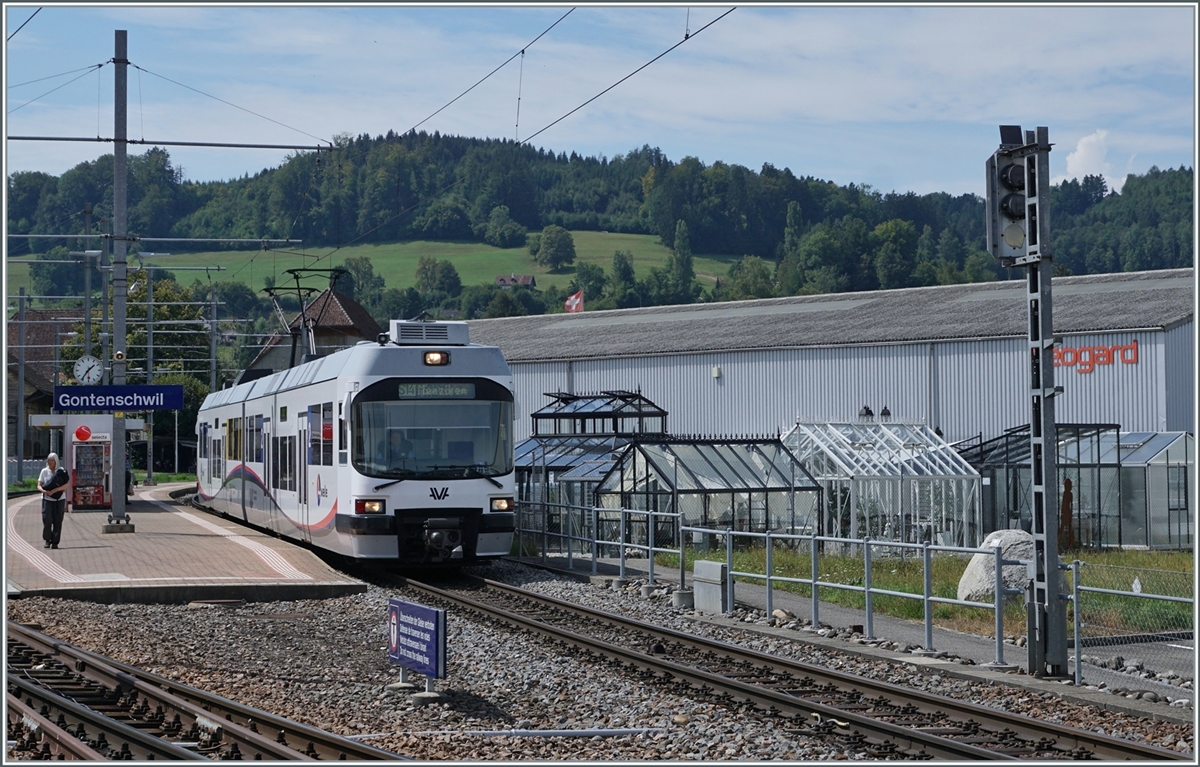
x=1085 y=359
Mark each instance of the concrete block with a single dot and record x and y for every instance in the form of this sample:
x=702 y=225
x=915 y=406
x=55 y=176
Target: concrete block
x=708 y=582
x=126 y=527
x=683 y=599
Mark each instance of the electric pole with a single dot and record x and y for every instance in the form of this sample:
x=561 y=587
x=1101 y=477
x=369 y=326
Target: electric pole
x=119 y=271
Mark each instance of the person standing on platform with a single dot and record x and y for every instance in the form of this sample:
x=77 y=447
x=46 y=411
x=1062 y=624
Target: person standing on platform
x=52 y=482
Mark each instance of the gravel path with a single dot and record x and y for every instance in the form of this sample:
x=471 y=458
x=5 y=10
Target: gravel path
x=324 y=663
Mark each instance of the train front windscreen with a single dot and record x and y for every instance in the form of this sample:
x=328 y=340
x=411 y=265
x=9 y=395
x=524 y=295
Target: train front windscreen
x=432 y=429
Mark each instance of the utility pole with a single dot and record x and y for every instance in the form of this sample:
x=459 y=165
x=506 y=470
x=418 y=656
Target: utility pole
x=87 y=279
x=21 y=385
x=105 y=327
x=1018 y=234
x=150 y=375
x=212 y=341
x=119 y=273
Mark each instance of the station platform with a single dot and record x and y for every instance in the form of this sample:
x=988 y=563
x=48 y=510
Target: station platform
x=176 y=554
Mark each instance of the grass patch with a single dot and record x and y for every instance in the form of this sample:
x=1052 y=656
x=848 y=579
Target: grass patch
x=476 y=262
x=164 y=476
x=25 y=485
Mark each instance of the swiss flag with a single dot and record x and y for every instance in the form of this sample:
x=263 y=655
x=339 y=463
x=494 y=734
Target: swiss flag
x=574 y=302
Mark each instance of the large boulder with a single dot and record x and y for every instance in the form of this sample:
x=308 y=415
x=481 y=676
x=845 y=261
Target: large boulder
x=978 y=582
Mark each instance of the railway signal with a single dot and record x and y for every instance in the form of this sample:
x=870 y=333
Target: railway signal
x=1018 y=233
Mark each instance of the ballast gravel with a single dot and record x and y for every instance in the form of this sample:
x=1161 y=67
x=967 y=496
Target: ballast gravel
x=507 y=696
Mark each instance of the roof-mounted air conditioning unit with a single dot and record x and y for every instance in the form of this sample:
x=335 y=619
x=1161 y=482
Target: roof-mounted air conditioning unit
x=406 y=332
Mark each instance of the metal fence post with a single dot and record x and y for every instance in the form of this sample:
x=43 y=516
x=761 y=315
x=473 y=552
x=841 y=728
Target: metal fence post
x=999 y=605
x=928 y=595
x=729 y=567
x=1078 y=622
x=621 y=544
x=570 y=542
x=545 y=529
x=650 y=546
x=595 y=537
x=867 y=586
x=682 y=559
x=770 y=603
x=815 y=600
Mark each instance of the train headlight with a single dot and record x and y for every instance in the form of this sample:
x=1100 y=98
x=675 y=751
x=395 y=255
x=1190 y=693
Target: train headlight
x=365 y=506
x=502 y=504
x=437 y=358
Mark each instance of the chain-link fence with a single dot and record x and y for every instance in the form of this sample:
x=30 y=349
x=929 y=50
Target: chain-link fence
x=1135 y=622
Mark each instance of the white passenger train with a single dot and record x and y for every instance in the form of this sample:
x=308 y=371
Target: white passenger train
x=399 y=449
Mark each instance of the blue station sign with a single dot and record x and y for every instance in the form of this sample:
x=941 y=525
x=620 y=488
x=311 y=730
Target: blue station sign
x=114 y=398
x=417 y=638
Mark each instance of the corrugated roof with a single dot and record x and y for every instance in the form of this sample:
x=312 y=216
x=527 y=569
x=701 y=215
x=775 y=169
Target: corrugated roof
x=1105 y=302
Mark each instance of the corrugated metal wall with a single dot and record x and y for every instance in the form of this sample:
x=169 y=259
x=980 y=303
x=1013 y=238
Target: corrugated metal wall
x=966 y=388
x=1180 y=344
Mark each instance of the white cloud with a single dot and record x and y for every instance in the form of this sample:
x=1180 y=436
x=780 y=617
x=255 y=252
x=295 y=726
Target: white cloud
x=1090 y=158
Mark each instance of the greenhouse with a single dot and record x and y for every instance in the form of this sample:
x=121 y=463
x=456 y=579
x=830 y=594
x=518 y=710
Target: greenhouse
x=594 y=456
x=1126 y=489
x=889 y=481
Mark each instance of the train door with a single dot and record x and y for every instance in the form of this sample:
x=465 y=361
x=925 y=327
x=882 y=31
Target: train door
x=270 y=475
x=242 y=450
x=302 y=460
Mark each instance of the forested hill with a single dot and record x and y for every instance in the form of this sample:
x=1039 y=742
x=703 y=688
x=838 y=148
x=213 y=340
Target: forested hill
x=821 y=237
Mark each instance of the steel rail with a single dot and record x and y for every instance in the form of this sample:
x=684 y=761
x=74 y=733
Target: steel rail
x=1101 y=746
x=241 y=723
x=888 y=737
x=79 y=732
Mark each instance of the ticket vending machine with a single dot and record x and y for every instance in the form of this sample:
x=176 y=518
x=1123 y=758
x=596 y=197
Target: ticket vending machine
x=91 y=467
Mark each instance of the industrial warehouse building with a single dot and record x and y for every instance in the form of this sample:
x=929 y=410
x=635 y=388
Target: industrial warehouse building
x=954 y=358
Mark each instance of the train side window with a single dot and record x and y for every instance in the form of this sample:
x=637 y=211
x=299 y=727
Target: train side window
x=314 y=435
x=275 y=463
x=291 y=463
x=327 y=434
x=254 y=438
x=342 y=451
x=283 y=413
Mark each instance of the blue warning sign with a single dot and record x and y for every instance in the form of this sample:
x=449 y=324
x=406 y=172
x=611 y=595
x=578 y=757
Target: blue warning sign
x=417 y=638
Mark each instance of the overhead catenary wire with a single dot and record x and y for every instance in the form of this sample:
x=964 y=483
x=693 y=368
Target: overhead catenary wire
x=51 y=77
x=494 y=71
x=88 y=71
x=458 y=181
x=631 y=74
x=18 y=29
x=229 y=103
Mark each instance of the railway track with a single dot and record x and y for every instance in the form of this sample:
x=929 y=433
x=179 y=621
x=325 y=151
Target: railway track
x=66 y=702
x=881 y=720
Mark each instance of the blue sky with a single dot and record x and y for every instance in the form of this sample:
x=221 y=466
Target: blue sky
x=900 y=98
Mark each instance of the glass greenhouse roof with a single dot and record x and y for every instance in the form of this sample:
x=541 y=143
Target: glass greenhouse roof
x=619 y=403
x=563 y=454
x=878 y=449
x=687 y=465
x=697 y=467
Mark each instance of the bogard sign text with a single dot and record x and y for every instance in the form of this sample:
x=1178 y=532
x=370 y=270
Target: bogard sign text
x=1085 y=358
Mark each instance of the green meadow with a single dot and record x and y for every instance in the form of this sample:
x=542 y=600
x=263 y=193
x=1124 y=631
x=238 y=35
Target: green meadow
x=397 y=262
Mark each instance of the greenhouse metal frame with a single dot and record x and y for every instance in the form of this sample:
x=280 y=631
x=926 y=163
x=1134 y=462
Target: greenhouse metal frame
x=890 y=481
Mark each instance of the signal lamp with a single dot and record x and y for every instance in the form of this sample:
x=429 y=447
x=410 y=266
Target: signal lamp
x=437 y=358
x=502 y=504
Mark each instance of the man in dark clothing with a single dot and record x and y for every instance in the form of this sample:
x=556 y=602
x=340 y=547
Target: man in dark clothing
x=52 y=482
